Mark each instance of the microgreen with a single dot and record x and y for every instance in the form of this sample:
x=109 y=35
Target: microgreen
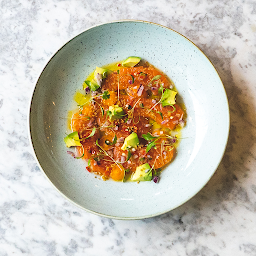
x=150 y=145
x=92 y=133
x=109 y=113
x=153 y=79
x=130 y=112
x=173 y=109
x=161 y=89
x=106 y=153
x=105 y=95
x=114 y=141
x=153 y=140
x=78 y=157
x=101 y=108
x=132 y=78
x=160 y=113
x=148 y=136
x=129 y=155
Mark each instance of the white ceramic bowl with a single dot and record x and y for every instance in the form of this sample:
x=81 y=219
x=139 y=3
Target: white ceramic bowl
x=204 y=137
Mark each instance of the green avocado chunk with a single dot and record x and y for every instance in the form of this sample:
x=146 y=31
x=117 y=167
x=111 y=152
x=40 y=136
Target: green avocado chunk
x=131 y=61
x=132 y=141
x=72 y=140
x=115 y=112
x=95 y=83
x=92 y=85
x=142 y=173
x=168 y=98
x=102 y=71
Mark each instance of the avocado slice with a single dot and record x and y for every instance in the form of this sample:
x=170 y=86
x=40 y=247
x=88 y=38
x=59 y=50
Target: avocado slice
x=102 y=71
x=72 y=140
x=115 y=112
x=168 y=98
x=132 y=141
x=99 y=75
x=92 y=85
x=142 y=173
x=131 y=61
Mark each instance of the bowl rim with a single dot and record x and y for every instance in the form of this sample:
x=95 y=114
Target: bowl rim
x=32 y=144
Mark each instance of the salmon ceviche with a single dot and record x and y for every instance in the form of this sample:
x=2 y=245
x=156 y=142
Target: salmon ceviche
x=127 y=123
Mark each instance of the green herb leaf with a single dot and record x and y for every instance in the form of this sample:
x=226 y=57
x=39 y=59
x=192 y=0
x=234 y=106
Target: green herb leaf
x=160 y=114
x=105 y=95
x=114 y=141
x=150 y=145
x=109 y=113
x=148 y=136
x=89 y=162
x=102 y=110
x=155 y=78
x=129 y=155
x=161 y=89
x=157 y=171
x=132 y=78
x=125 y=176
x=80 y=156
x=92 y=133
x=77 y=157
x=173 y=109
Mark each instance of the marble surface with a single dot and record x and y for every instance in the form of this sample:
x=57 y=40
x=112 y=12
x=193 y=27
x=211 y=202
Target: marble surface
x=36 y=220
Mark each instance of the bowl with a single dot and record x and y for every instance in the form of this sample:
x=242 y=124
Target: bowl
x=203 y=140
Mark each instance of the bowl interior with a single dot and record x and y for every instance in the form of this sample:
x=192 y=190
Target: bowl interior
x=203 y=139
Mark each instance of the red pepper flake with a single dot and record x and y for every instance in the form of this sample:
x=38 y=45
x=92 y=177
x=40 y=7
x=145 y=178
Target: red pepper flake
x=119 y=64
x=88 y=169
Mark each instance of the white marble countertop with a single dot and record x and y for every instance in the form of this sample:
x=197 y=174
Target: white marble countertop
x=36 y=220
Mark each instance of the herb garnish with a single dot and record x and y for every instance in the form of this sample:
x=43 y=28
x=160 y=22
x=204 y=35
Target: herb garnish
x=106 y=153
x=129 y=155
x=101 y=108
x=92 y=133
x=150 y=137
x=132 y=79
x=153 y=79
x=105 y=95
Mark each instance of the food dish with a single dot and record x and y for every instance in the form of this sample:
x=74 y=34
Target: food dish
x=127 y=121
x=202 y=92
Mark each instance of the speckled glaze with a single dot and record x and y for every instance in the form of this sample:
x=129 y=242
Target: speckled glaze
x=199 y=86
